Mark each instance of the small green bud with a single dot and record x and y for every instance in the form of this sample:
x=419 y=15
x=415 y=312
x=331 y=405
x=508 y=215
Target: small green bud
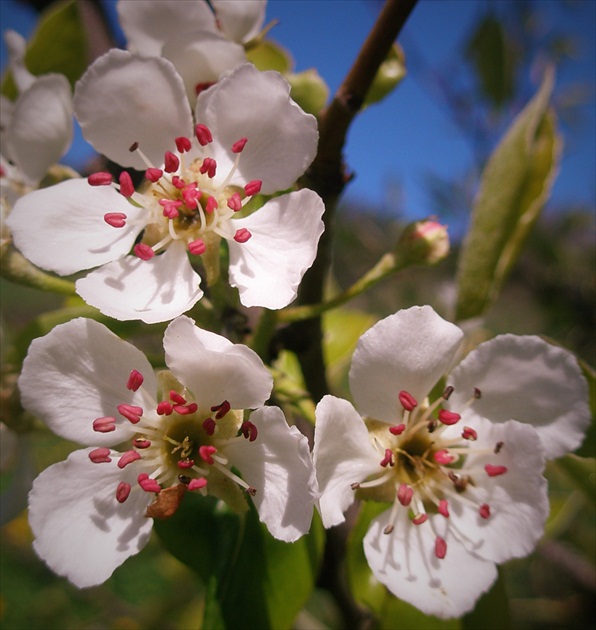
x=309 y=90
x=423 y=242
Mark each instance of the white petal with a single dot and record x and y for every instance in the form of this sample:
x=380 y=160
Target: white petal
x=405 y=562
x=282 y=139
x=17 y=46
x=62 y=227
x=268 y=268
x=80 y=530
x=41 y=127
x=201 y=57
x=149 y=24
x=529 y=380
x=77 y=373
x=279 y=466
x=155 y=290
x=409 y=350
x=240 y=20
x=518 y=499
x=123 y=99
x=342 y=454
x=214 y=369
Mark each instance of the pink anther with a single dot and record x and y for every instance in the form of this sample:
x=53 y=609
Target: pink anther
x=148 y=484
x=128 y=458
x=206 y=451
x=191 y=195
x=448 y=417
x=235 y=202
x=484 y=510
x=183 y=144
x=388 y=459
x=131 y=412
x=153 y=174
x=164 y=408
x=253 y=187
x=185 y=463
x=185 y=410
x=171 y=162
x=440 y=548
x=197 y=247
x=142 y=251
x=203 y=134
x=495 y=471
x=122 y=491
x=101 y=178
x=170 y=207
x=443 y=508
x=469 y=434
x=127 y=188
x=178 y=182
x=221 y=410
x=177 y=398
x=443 y=457
x=100 y=455
x=197 y=484
x=135 y=380
x=398 y=429
x=115 y=219
x=141 y=443
x=249 y=431
x=242 y=235
x=408 y=402
x=405 y=494
x=211 y=205
x=104 y=425
x=209 y=426
x=239 y=145
x=209 y=166
x=421 y=518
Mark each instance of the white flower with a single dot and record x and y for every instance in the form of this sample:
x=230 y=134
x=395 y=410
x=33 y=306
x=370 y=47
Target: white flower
x=250 y=137
x=91 y=512
x=464 y=472
x=37 y=128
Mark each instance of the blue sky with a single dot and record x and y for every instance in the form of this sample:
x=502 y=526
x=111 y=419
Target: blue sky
x=394 y=145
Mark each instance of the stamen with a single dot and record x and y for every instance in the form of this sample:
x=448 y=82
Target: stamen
x=135 y=380
x=421 y=518
x=469 y=434
x=182 y=144
x=398 y=429
x=191 y=195
x=235 y=202
x=408 y=402
x=104 y=425
x=153 y=174
x=185 y=463
x=443 y=508
x=164 y=408
x=484 y=510
x=128 y=458
x=148 y=484
x=171 y=162
x=177 y=398
x=249 y=431
x=448 y=417
x=242 y=235
x=443 y=457
x=115 y=219
x=447 y=392
x=239 y=145
x=102 y=178
x=122 y=491
x=495 y=471
x=197 y=484
x=388 y=459
x=100 y=455
x=209 y=166
x=498 y=447
x=203 y=135
x=127 y=188
x=211 y=205
x=197 y=247
x=170 y=207
x=405 y=494
x=131 y=412
x=206 y=452
x=142 y=251
x=221 y=410
x=141 y=443
x=440 y=548
x=253 y=187
x=209 y=426
x=185 y=410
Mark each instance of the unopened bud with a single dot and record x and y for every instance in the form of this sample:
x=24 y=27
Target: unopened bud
x=423 y=242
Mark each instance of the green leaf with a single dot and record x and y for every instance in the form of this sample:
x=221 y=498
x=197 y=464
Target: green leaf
x=58 y=45
x=389 y=75
x=391 y=613
x=582 y=471
x=514 y=187
x=268 y=55
x=588 y=448
x=492 y=609
x=252 y=580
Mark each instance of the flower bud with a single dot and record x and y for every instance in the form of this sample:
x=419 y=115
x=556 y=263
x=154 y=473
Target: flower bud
x=423 y=242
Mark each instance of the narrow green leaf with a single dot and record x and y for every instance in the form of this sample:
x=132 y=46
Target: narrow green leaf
x=514 y=187
x=59 y=44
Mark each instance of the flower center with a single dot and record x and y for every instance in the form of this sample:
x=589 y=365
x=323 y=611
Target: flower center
x=186 y=200
x=421 y=469
x=176 y=444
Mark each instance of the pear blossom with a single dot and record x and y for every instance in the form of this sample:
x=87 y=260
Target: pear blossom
x=249 y=138
x=152 y=439
x=461 y=469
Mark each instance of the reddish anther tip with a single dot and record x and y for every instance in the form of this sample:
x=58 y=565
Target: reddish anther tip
x=185 y=410
x=443 y=457
x=197 y=247
x=131 y=412
x=183 y=144
x=128 y=458
x=443 y=508
x=421 y=518
x=447 y=392
x=142 y=251
x=440 y=548
x=253 y=187
x=203 y=134
x=209 y=426
x=197 y=484
x=201 y=87
x=484 y=510
x=164 y=408
x=249 y=431
x=178 y=182
x=171 y=162
x=235 y=202
x=141 y=443
x=101 y=178
x=388 y=459
x=398 y=429
x=115 y=219
x=221 y=410
x=239 y=145
x=191 y=195
x=177 y=398
x=127 y=188
x=170 y=207
x=148 y=484
x=185 y=463
x=405 y=494
x=211 y=205
x=469 y=434
x=206 y=451
x=408 y=402
x=209 y=166
x=153 y=174
x=100 y=455
x=135 y=380
x=449 y=417
x=495 y=471
x=242 y=235
x=122 y=491
x=104 y=425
